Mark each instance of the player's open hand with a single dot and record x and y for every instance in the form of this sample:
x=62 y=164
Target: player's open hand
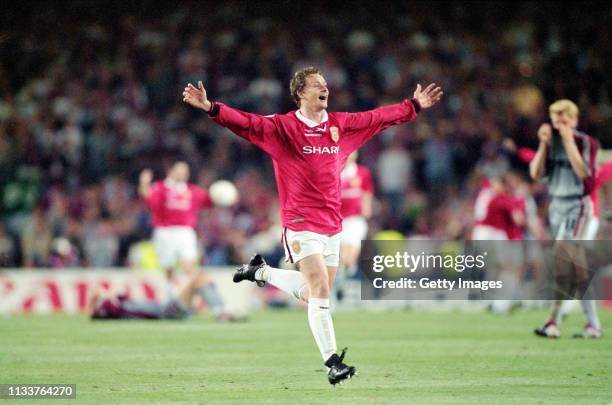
x=545 y=133
x=196 y=97
x=146 y=177
x=428 y=97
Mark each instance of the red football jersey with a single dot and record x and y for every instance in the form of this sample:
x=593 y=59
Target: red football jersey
x=176 y=204
x=516 y=231
x=308 y=157
x=499 y=213
x=356 y=180
x=604 y=174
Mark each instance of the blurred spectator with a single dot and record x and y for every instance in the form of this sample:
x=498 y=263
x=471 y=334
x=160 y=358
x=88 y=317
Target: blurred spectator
x=439 y=171
x=63 y=254
x=8 y=251
x=36 y=240
x=492 y=163
x=394 y=173
x=84 y=108
x=101 y=244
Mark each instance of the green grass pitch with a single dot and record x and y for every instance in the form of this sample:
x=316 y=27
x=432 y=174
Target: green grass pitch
x=402 y=357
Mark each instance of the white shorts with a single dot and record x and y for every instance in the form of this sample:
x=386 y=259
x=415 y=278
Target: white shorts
x=301 y=244
x=486 y=232
x=591 y=228
x=175 y=243
x=498 y=254
x=354 y=230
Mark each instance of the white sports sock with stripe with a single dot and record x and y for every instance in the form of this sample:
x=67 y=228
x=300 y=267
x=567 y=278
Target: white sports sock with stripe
x=322 y=326
x=290 y=281
x=589 y=307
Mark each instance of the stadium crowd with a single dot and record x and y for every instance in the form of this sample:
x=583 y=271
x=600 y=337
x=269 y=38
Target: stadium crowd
x=84 y=109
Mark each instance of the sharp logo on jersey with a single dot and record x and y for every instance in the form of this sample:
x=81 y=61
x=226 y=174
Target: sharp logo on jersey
x=309 y=150
x=296 y=247
x=335 y=134
x=178 y=201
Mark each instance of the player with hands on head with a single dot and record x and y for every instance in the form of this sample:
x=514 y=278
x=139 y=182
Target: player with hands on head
x=568 y=158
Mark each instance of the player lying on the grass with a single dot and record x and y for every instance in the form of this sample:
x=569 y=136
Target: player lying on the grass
x=309 y=148
x=567 y=157
x=175 y=204
x=107 y=304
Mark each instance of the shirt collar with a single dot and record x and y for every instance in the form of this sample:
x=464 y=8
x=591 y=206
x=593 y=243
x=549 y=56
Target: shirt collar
x=177 y=186
x=310 y=122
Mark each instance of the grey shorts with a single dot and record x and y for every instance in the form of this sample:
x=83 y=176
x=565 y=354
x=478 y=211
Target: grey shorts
x=569 y=217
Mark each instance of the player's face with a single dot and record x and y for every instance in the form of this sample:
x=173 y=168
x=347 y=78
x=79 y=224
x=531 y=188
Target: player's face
x=513 y=181
x=315 y=93
x=563 y=119
x=497 y=185
x=180 y=172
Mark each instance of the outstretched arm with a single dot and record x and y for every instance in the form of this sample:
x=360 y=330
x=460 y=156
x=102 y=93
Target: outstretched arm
x=255 y=128
x=524 y=154
x=367 y=124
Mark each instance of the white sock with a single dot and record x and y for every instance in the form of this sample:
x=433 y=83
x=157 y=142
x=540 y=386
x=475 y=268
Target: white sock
x=322 y=326
x=290 y=281
x=170 y=291
x=565 y=309
x=589 y=307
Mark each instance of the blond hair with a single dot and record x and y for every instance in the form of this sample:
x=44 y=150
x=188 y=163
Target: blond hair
x=298 y=82
x=564 y=106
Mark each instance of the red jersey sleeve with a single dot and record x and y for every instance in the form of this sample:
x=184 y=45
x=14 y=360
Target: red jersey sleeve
x=525 y=155
x=360 y=127
x=367 y=185
x=258 y=129
x=604 y=173
x=155 y=198
x=201 y=198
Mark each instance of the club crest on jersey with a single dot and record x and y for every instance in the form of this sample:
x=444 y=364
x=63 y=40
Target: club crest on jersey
x=335 y=134
x=296 y=247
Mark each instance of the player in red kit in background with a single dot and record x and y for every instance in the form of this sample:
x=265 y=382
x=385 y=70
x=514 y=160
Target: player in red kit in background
x=357 y=194
x=175 y=205
x=500 y=215
x=496 y=211
x=309 y=148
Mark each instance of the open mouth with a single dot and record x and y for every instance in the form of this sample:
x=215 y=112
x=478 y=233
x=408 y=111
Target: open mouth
x=322 y=98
